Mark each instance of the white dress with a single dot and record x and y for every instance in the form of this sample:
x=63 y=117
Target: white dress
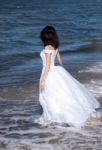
x=64 y=99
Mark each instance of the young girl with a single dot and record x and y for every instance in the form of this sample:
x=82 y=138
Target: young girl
x=62 y=97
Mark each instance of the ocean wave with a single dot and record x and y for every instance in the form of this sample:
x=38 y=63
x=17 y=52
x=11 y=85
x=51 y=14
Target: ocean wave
x=94 y=68
x=9 y=60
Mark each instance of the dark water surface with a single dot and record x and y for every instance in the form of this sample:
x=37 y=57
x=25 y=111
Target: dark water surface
x=79 y=25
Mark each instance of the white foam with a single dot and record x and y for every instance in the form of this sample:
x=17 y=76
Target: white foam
x=94 y=68
x=59 y=138
x=95 y=86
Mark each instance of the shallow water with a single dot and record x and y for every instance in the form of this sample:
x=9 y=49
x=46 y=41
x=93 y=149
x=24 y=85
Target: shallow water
x=20 y=131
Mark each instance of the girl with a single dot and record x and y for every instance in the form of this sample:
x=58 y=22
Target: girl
x=62 y=97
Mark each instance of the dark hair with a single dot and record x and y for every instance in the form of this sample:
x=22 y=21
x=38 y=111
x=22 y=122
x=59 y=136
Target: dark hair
x=49 y=37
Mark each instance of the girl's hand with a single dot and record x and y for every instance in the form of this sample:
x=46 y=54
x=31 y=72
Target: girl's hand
x=42 y=85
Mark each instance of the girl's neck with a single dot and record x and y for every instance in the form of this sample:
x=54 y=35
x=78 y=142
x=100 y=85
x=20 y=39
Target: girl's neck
x=49 y=47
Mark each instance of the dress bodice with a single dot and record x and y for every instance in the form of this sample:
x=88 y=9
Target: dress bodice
x=53 y=56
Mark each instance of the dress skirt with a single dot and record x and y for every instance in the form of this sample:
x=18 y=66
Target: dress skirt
x=65 y=100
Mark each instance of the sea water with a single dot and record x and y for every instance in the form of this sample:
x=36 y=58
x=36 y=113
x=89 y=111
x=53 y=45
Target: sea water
x=79 y=25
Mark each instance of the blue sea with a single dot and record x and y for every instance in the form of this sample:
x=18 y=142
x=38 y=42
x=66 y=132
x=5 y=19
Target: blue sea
x=79 y=26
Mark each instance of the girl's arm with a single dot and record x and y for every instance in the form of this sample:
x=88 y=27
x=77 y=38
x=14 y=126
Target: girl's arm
x=46 y=70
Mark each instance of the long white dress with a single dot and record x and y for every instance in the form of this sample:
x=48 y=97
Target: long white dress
x=64 y=99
